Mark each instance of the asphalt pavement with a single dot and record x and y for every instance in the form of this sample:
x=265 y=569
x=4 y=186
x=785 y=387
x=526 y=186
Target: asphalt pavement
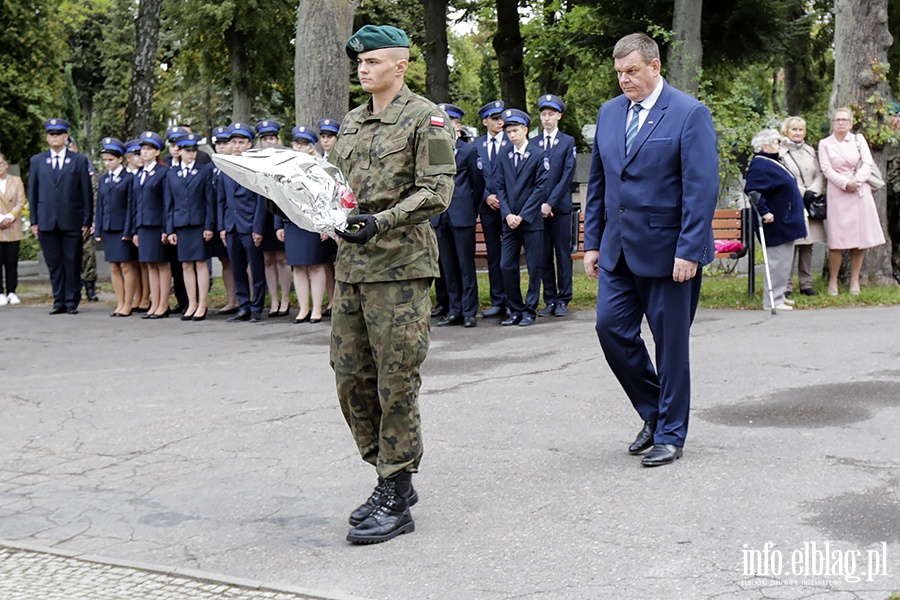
x=216 y=452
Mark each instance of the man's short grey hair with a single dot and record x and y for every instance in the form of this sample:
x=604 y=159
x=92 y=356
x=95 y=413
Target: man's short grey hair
x=641 y=42
x=764 y=138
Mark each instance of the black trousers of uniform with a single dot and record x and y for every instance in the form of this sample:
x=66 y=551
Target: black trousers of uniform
x=9 y=263
x=513 y=242
x=557 y=266
x=492 y=228
x=457 y=251
x=243 y=253
x=62 y=252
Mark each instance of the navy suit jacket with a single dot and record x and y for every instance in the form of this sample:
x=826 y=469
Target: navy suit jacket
x=113 y=200
x=521 y=190
x=148 y=200
x=66 y=203
x=468 y=190
x=190 y=200
x=562 y=171
x=240 y=210
x=657 y=203
x=488 y=169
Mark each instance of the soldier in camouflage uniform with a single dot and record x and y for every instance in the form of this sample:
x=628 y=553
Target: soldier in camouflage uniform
x=89 y=247
x=397 y=154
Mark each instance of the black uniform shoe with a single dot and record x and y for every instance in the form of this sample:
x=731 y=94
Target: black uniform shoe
x=438 y=311
x=527 y=320
x=391 y=517
x=662 y=454
x=809 y=292
x=72 y=311
x=513 y=320
x=450 y=320
x=469 y=322
x=548 y=311
x=228 y=311
x=494 y=311
x=365 y=509
x=241 y=315
x=644 y=438
x=255 y=317
x=560 y=310
x=57 y=310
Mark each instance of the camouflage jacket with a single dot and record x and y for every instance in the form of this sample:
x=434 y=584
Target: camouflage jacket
x=400 y=165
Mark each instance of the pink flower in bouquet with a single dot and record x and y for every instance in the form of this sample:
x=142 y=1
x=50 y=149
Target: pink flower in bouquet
x=348 y=200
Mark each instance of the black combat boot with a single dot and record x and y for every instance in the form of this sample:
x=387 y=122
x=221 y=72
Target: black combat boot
x=391 y=517
x=365 y=509
x=90 y=291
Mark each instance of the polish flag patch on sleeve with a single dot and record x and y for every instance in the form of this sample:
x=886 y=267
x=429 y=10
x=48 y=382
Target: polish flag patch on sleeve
x=437 y=121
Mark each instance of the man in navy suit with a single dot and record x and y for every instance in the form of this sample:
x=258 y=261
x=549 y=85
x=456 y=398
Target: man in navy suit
x=559 y=148
x=62 y=208
x=647 y=234
x=455 y=229
x=489 y=147
x=520 y=178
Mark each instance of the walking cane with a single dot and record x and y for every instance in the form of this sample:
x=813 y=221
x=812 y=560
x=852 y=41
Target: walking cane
x=754 y=200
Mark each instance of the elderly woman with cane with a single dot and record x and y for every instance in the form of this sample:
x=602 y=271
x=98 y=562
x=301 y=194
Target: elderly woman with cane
x=781 y=209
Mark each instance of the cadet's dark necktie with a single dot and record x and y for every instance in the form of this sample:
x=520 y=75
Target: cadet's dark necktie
x=517 y=159
x=56 y=163
x=547 y=144
x=493 y=149
x=632 y=130
x=143 y=176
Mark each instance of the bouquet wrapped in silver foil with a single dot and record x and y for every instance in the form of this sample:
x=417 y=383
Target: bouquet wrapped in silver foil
x=308 y=190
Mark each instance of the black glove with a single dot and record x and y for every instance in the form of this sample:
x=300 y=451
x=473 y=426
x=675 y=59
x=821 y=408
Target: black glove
x=366 y=230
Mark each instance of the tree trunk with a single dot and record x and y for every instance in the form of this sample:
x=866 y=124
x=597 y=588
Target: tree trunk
x=549 y=78
x=240 y=73
x=435 y=49
x=685 y=56
x=799 y=74
x=138 y=110
x=321 y=84
x=510 y=48
x=861 y=40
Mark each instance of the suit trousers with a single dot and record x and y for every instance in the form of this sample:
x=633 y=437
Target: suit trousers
x=661 y=393
x=62 y=253
x=242 y=252
x=9 y=263
x=803 y=255
x=557 y=267
x=513 y=242
x=457 y=252
x=492 y=228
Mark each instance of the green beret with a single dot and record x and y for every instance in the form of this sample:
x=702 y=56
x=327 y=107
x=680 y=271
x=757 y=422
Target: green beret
x=375 y=37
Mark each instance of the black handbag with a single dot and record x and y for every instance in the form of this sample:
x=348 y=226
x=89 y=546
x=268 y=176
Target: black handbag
x=816 y=206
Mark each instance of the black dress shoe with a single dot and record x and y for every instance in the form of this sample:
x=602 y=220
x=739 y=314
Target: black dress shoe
x=548 y=311
x=273 y=314
x=179 y=309
x=527 y=320
x=242 y=314
x=114 y=314
x=72 y=311
x=450 y=320
x=120 y=315
x=187 y=317
x=662 y=454
x=57 y=310
x=809 y=292
x=138 y=309
x=469 y=322
x=560 y=310
x=494 y=311
x=200 y=318
x=255 y=317
x=365 y=509
x=228 y=311
x=314 y=321
x=391 y=516
x=644 y=438
x=513 y=320
x=146 y=316
x=298 y=320
x=438 y=311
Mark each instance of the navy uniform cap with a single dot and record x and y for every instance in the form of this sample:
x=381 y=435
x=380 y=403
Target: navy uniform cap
x=492 y=109
x=112 y=146
x=221 y=134
x=188 y=140
x=242 y=130
x=304 y=134
x=56 y=126
x=174 y=132
x=331 y=126
x=268 y=127
x=175 y=138
x=375 y=37
x=148 y=138
x=452 y=110
x=551 y=101
x=514 y=116
x=132 y=146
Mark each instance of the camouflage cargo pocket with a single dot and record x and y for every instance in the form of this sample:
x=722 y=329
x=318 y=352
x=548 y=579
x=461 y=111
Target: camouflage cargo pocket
x=410 y=335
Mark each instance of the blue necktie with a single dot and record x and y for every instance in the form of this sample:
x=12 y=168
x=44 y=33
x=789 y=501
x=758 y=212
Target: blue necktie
x=632 y=130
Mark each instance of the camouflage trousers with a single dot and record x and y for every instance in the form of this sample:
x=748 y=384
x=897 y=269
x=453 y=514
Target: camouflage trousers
x=89 y=258
x=379 y=337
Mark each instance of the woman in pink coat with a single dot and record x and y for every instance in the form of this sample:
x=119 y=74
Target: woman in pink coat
x=852 y=222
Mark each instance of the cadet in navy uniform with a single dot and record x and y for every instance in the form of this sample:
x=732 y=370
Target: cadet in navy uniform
x=559 y=148
x=520 y=178
x=133 y=165
x=221 y=138
x=489 y=147
x=173 y=158
x=62 y=207
x=242 y=221
x=278 y=273
x=113 y=198
x=190 y=221
x=147 y=220
x=456 y=230
x=328 y=130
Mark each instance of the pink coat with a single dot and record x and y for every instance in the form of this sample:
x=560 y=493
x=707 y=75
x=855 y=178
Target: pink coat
x=852 y=218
